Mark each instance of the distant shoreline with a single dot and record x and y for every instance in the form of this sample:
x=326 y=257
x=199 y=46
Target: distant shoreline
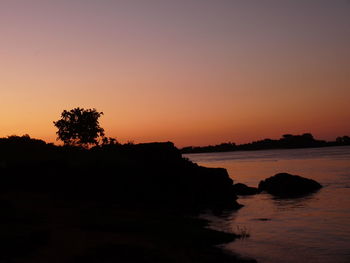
x=271 y=149
x=287 y=141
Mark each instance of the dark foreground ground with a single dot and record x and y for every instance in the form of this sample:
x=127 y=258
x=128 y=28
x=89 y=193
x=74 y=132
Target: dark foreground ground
x=37 y=228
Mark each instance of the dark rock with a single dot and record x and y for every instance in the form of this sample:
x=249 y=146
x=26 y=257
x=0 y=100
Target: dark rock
x=212 y=188
x=242 y=189
x=287 y=185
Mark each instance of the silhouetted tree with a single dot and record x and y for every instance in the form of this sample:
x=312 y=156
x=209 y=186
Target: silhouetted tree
x=109 y=141
x=344 y=140
x=79 y=127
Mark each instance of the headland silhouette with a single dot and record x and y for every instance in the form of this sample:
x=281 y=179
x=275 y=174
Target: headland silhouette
x=108 y=203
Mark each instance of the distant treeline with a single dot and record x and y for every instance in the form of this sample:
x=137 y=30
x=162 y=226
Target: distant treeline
x=288 y=141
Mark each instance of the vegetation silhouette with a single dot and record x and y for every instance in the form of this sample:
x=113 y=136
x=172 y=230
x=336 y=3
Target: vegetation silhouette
x=344 y=140
x=79 y=126
x=288 y=141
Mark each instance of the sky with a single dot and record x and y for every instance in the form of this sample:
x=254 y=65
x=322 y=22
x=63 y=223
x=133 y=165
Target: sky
x=195 y=72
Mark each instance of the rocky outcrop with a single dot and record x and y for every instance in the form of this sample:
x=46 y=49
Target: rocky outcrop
x=149 y=174
x=287 y=185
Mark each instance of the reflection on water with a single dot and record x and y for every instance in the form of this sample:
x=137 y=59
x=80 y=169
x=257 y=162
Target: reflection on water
x=313 y=228
x=293 y=203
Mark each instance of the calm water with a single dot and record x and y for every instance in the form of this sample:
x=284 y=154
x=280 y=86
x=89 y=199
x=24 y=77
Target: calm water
x=315 y=228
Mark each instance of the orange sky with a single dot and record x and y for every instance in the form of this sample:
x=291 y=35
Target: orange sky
x=194 y=72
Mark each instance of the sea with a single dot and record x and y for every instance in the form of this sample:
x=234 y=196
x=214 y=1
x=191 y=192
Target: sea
x=310 y=229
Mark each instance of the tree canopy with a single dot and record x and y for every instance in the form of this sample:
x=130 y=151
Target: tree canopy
x=79 y=127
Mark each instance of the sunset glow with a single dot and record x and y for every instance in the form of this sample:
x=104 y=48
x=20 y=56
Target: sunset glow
x=193 y=72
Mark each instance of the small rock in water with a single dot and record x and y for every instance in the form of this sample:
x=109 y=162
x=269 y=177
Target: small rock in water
x=287 y=185
x=242 y=189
